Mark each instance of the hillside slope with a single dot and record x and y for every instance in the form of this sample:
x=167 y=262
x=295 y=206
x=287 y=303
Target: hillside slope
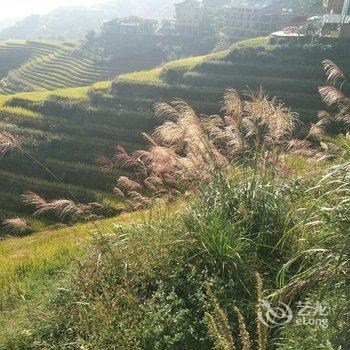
x=35 y=65
x=66 y=133
x=68 y=129
x=31 y=267
x=289 y=69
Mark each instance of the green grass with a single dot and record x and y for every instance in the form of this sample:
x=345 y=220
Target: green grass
x=151 y=76
x=102 y=85
x=143 y=286
x=20 y=112
x=77 y=93
x=32 y=266
x=154 y=76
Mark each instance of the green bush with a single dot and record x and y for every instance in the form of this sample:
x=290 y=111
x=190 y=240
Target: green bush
x=172 y=75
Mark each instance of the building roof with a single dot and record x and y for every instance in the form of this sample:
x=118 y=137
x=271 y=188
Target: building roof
x=251 y=4
x=336 y=18
x=188 y=2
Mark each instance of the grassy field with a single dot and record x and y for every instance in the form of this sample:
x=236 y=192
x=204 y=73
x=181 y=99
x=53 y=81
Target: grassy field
x=33 y=268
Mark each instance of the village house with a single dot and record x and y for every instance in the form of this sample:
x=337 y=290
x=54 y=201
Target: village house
x=337 y=19
x=253 y=18
x=130 y=25
x=190 y=17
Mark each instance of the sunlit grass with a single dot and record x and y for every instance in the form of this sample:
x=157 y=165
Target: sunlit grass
x=76 y=93
x=261 y=41
x=20 y=112
x=23 y=260
x=150 y=76
x=102 y=85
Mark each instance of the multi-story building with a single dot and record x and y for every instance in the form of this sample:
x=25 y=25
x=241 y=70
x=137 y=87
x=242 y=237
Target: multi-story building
x=130 y=25
x=337 y=19
x=333 y=6
x=190 y=17
x=253 y=18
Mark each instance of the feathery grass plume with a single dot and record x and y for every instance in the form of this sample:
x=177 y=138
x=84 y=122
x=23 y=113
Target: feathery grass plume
x=233 y=106
x=31 y=198
x=331 y=95
x=333 y=72
x=106 y=164
x=123 y=159
x=189 y=148
x=318 y=130
x=137 y=201
x=324 y=115
x=17 y=226
x=8 y=142
x=218 y=324
x=164 y=110
x=301 y=147
x=220 y=342
x=128 y=185
x=155 y=184
x=244 y=334
x=60 y=207
x=261 y=329
x=118 y=192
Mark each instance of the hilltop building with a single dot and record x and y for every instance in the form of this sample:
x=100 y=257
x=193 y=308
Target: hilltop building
x=252 y=18
x=190 y=17
x=130 y=25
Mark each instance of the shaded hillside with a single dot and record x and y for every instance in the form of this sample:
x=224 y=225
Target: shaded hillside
x=74 y=22
x=35 y=65
x=289 y=69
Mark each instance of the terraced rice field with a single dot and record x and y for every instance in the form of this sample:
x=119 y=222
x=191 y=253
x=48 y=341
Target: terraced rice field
x=68 y=129
x=66 y=135
x=35 y=66
x=201 y=81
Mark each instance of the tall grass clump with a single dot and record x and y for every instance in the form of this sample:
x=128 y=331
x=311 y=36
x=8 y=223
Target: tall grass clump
x=149 y=290
x=188 y=148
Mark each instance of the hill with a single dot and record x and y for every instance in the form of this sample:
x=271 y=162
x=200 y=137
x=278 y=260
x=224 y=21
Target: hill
x=69 y=129
x=277 y=225
x=40 y=65
x=73 y=22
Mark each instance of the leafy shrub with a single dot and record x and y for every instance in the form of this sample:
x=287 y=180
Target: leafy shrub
x=172 y=75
